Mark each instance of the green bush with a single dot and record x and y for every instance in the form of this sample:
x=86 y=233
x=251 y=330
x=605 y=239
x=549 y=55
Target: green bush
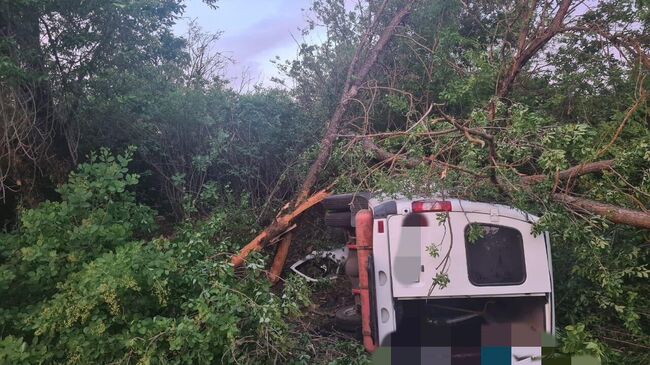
x=96 y=214
x=81 y=285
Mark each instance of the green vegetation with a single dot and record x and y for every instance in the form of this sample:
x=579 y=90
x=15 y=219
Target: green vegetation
x=122 y=258
x=80 y=287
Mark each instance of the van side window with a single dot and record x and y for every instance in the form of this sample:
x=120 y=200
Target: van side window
x=495 y=255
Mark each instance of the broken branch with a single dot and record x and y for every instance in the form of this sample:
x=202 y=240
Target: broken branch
x=612 y=213
x=571 y=172
x=350 y=91
x=278 y=226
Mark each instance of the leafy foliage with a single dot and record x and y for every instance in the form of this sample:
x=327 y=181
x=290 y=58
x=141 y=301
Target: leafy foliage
x=574 y=102
x=81 y=288
x=83 y=281
x=97 y=213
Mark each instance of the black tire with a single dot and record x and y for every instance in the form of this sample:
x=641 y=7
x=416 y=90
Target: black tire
x=347 y=319
x=338 y=219
x=342 y=202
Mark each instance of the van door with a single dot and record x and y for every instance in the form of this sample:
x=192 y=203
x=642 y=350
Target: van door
x=475 y=252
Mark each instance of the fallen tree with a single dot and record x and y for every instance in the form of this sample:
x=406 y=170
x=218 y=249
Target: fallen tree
x=278 y=226
x=356 y=75
x=532 y=38
x=615 y=214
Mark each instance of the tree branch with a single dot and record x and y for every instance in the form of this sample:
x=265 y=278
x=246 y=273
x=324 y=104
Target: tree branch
x=349 y=92
x=351 y=88
x=612 y=213
x=532 y=47
x=382 y=154
x=571 y=172
x=278 y=226
x=488 y=138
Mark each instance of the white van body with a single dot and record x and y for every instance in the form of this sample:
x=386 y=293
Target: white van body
x=447 y=231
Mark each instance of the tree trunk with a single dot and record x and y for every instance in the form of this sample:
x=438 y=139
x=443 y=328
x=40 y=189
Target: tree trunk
x=350 y=91
x=278 y=226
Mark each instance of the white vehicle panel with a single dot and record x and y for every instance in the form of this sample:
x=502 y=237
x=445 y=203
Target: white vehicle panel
x=537 y=280
x=526 y=355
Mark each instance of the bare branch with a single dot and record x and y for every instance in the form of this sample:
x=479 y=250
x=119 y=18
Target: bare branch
x=572 y=172
x=612 y=213
x=529 y=49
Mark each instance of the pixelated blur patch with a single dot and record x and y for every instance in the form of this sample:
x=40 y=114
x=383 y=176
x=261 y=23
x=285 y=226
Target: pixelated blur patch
x=408 y=260
x=415 y=220
x=382 y=356
x=496 y=335
x=523 y=335
x=436 y=355
x=548 y=340
x=496 y=355
x=557 y=361
x=495 y=350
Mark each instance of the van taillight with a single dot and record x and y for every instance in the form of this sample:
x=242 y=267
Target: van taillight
x=422 y=206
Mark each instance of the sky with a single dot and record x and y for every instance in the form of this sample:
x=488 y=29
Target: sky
x=254 y=32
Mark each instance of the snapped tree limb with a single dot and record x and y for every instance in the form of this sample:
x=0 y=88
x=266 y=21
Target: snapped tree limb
x=612 y=213
x=277 y=227
x=350 y=91
x=615 y=214
x=353 y=82
x=571 y=172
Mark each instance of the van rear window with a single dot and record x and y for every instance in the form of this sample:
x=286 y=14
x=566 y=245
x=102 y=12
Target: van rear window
x=495 y=255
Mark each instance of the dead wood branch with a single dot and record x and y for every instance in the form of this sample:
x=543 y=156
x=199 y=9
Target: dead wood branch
x=354 y=80
x=612 y=213
x=571 y=172
x=278 y=226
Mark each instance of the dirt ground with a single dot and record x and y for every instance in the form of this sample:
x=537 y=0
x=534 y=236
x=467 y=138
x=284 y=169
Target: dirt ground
x=331 y=343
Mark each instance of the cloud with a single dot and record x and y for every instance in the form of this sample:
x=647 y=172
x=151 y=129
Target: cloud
x=254 y=32
x=265 y=35
x=253 y=46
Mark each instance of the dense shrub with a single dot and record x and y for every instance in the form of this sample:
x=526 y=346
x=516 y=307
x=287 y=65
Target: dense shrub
x=96 y=214
x=79 y=287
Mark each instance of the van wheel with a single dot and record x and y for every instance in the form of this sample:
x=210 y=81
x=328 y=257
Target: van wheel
x=338 y=219
x=347 y=319
x=342 y=202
